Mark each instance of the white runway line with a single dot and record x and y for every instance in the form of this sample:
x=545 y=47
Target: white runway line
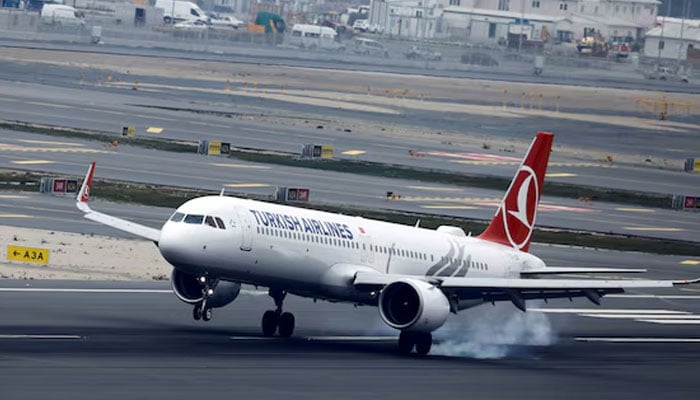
x=605 y=311
x=671 y=321
x=653 y=296
x=637 y=340
x=62 y=337
x=320 y=338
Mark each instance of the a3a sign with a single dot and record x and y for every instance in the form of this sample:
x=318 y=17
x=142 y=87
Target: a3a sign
x=28 y=254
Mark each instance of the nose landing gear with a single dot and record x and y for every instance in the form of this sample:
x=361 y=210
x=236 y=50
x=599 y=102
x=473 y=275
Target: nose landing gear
x=277 y=320
x=201 y=309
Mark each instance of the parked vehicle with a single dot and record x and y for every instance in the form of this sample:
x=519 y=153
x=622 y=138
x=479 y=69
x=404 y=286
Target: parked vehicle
x=417 y=53
x=666 y=74
x=315 y=37
x=181 y=11
x=228 y=21
x=361 y=25
x=62 y=15
x=369 y=47
x=482 y=59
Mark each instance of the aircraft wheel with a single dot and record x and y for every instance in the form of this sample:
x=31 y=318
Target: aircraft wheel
x=197 y=312
x=406 y=342
x=269 y=323
x=206 y=315
x=286 y=324
x=424 y=341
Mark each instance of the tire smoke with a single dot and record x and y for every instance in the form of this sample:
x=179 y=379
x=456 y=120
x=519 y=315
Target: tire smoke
x=494 y=332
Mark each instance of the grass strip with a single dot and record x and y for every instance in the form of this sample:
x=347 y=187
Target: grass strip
x=153 y=195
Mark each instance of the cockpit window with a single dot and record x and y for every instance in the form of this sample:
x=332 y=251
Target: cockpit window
x=209 y=220
x=220 y=223
x=177 y=217
x=194 y=219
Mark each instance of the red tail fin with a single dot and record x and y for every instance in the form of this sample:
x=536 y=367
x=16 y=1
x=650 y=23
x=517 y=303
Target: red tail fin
x=515 y=219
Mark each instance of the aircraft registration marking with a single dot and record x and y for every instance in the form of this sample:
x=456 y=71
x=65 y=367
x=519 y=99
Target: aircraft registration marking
x=31 y=162
x=246 y=185
x=652 y=229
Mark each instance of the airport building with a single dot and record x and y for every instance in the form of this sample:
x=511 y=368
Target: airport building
x=674 y=39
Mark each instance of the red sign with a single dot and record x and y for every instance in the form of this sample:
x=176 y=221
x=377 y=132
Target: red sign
x=303 y=195
x=59 y=185
x=690 y=202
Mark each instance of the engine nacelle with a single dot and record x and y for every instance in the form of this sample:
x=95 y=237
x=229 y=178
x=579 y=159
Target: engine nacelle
x=188 y=289
x=412 y=304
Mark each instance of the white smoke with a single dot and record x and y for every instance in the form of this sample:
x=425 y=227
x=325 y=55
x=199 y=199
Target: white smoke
x=493 y=332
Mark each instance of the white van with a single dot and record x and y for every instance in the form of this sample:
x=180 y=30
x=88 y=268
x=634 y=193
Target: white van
x=314 y=37
x=62 y=15
x=181 y=11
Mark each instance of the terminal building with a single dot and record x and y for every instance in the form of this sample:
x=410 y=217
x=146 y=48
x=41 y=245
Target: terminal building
x=674 y=40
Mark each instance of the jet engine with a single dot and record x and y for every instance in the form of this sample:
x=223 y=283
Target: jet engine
x=412 y=304
x=189 y=289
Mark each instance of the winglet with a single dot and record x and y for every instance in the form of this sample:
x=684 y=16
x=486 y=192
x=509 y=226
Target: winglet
x=515 y=219
x=84 y=193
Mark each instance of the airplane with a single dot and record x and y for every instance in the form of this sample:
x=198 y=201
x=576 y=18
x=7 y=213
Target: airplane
x=415 y=276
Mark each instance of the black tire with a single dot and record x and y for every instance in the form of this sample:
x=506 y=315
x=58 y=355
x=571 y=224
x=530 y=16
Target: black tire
x=269 y=323
x=197 y=313
x=406 y=342
x=424 y=341
x=206 y=316
x=167 y=20
x=285 y=324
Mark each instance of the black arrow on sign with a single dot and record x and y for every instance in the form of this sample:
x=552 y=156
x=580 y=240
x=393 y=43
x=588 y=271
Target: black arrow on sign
x=15 y=253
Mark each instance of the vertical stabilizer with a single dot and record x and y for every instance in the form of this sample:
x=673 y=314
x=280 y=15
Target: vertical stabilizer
x=515 y=219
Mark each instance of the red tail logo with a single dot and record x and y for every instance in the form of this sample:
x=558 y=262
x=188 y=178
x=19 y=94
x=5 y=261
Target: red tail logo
x=515 y=219
x=84 y=194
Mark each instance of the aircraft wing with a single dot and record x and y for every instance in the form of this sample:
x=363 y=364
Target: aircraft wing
x=518 y=290
x=117 y=223
x=580 y=270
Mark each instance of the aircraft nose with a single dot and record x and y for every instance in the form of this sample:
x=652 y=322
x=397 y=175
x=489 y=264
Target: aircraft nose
x=173 y=244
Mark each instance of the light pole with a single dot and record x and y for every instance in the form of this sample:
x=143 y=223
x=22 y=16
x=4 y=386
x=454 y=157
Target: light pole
x=661 y=37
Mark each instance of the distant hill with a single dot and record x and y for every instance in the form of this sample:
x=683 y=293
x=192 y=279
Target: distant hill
x=677 y=8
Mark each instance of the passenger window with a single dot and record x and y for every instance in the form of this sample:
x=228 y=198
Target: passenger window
x=194 y=219
x=220 y=223
x=209 y=220
x=177 y=217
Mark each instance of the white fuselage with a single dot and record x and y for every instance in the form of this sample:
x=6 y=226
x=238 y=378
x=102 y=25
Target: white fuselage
x=316 y=254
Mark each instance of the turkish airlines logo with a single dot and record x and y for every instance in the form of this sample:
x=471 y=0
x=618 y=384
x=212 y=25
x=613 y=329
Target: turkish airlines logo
x=519 y=211
x=86 y=195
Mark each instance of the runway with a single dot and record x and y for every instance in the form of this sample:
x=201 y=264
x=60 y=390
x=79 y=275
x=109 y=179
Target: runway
x=61 y=344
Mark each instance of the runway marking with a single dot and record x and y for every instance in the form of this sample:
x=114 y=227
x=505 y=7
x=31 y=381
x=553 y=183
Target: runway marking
x=551 y=164
x=559 y=175
x=50 y=142
x=691 y=290
x=12 y=196
x=61 y=337
x=246 y=185
x=213 y=125
x=69 y=290
x=453 y=199
x=671 y=321
x=434 y=188
x=644 y=316
x=15 y=216
x=690 y=262
x=637 y=340
x=607 y=311
x=657 y=296
x=154 y=129
x=652 y=229
x=240 y=166
x=31 y=162
x=320 y=338
x=353 y=152
x=448 y=207
x=634 y=209
x=39 y=103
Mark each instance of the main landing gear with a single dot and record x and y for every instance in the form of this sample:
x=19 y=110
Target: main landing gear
x=422 y=341
x=201 y=309
x=276 y=320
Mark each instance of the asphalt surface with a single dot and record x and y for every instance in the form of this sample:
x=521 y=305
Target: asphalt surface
x=142 y=343
x=54 y=95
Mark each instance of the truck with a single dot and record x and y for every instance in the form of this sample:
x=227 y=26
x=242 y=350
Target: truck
x=181 y=11
x=267 y=22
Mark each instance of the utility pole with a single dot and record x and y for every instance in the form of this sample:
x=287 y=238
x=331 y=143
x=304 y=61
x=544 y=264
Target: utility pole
x=663 y=25
x=522 y=22
x=680 y=44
